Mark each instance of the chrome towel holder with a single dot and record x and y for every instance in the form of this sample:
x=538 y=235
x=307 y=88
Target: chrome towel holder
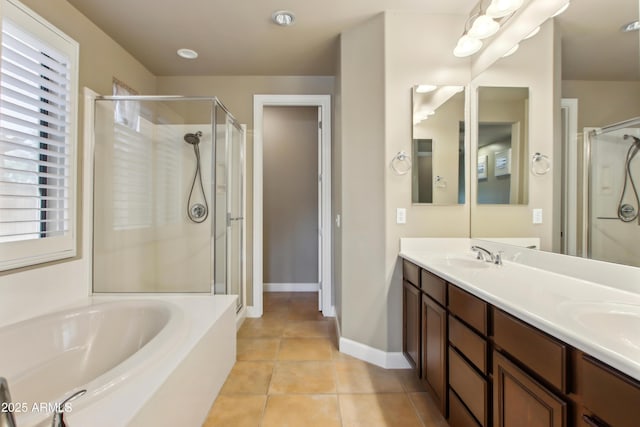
x=401 y=163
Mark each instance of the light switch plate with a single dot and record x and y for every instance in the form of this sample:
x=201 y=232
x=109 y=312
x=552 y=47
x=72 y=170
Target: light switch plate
x=537 y=216
x=337 y=220
x=401 y=216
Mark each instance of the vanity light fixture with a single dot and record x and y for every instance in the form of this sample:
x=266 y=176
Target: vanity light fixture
x=187 y=53
x=561 y=10
x=532 y=33
x=483 y=26
x=511 y=51
x=630 y=27
x=467 y=46
x=500 y=8
x=284 y=18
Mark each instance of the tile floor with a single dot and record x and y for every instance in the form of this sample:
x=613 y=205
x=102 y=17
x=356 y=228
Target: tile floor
x=289 y=373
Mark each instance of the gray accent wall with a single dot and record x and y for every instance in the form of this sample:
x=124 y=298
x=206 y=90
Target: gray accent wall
x=290 y=194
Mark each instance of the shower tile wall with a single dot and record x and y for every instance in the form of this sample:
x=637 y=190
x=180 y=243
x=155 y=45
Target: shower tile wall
x=143 y=239
x=611 y=239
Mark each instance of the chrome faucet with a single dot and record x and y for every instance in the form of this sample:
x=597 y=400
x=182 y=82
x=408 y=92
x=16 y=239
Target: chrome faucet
x=486 y=255
x=6 y=416
x=58 y=415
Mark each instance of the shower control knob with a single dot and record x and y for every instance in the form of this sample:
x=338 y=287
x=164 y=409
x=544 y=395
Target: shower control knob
x=627 y=211
x=198 y=210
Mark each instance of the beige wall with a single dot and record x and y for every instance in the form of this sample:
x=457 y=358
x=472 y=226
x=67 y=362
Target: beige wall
x=417 y=51
x=532 y=66
x=361 y=152
x=236 y=93
x=290 y=195
x=381 y=60
x=101 y=59
x=600 y=103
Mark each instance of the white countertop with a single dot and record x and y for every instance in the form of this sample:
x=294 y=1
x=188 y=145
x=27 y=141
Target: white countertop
x=600 y=320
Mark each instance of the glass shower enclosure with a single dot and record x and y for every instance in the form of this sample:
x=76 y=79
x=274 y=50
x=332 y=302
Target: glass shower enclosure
x=168 y=196
x=613 y=197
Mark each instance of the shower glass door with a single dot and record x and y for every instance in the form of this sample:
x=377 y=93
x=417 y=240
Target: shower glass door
x=235 y=243
x=229 y=208
x=614 y=227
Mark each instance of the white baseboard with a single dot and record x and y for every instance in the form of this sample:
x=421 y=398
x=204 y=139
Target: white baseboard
x=290 y=287
x=372 y=355
x=253 y=312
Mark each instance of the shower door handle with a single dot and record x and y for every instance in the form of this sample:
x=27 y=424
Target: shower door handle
x=233 y=218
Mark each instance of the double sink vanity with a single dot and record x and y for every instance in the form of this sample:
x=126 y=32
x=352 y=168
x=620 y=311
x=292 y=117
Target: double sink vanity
x=537 y=339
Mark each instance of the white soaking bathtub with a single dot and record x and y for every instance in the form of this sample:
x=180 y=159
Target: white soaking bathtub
x=137 y=358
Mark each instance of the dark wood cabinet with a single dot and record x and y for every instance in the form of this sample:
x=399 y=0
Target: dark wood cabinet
x=521 y=401
x=411 y=324
x=434 y=350
x=487 y=368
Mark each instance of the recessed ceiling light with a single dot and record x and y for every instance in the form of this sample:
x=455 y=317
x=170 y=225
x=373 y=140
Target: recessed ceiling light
x=283 y=18
x=187 y=53
x=631 y=26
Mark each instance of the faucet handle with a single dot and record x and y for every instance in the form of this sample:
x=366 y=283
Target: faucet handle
x=498 y=258
x=58 y=415
x=5 y=397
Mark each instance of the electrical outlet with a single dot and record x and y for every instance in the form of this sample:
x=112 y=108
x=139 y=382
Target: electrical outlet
x=537 y=216
x=337 y=220
x=401 y=216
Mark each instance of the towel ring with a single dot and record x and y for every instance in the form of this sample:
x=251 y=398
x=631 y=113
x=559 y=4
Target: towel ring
x=540 y=164
x=401 y=163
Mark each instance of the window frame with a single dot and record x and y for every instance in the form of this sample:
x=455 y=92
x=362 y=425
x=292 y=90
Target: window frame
x=23 y=253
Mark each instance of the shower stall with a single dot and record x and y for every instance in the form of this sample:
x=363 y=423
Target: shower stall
x=613 y=175
x=168 y=196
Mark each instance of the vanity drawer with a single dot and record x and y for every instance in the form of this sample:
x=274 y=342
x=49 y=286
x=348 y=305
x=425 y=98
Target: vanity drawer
x=459 y=416
x=472 y=345
x=469 y=385
x=470 y=309
x=610 y=395
x=434 y=286
x=540 y=352
x=411 y=272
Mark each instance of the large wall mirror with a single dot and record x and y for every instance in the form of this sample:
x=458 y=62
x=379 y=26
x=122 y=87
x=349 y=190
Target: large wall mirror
x=595 y=94
x=503 y=140
x=438 y=172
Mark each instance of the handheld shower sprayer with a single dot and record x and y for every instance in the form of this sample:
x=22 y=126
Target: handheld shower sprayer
x=626 y=211
x=197 y=212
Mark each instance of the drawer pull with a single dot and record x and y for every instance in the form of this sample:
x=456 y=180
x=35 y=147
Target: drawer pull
x=593 y=422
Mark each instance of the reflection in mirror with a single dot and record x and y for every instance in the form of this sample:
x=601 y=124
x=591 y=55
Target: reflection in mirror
x=438 y=172
x=503 y=145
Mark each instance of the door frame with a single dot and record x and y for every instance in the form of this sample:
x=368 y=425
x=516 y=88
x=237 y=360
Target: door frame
x=325 y=269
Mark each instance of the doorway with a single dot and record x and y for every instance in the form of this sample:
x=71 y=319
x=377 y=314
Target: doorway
x=281 y=269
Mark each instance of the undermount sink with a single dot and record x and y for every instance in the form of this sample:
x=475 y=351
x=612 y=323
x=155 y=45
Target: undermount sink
x=461 y=262
x=619 y=321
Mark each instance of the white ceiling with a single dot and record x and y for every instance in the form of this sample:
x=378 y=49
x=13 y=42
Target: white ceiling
x=236 y=37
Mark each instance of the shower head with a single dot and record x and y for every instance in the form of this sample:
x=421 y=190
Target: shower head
x=636 y=140
x=193 y=138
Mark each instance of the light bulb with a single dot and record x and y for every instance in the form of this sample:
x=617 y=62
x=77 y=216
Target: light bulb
x=532 y=33
x=500 y=8
x=561 y=10
x=483 y=27
x=511 y=51
x=467 y=46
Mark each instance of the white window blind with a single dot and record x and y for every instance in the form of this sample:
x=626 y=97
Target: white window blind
x=38 y=79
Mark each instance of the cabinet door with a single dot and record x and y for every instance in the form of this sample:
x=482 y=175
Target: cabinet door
x=434 y=351
x=411 y=324
x=520 y=401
